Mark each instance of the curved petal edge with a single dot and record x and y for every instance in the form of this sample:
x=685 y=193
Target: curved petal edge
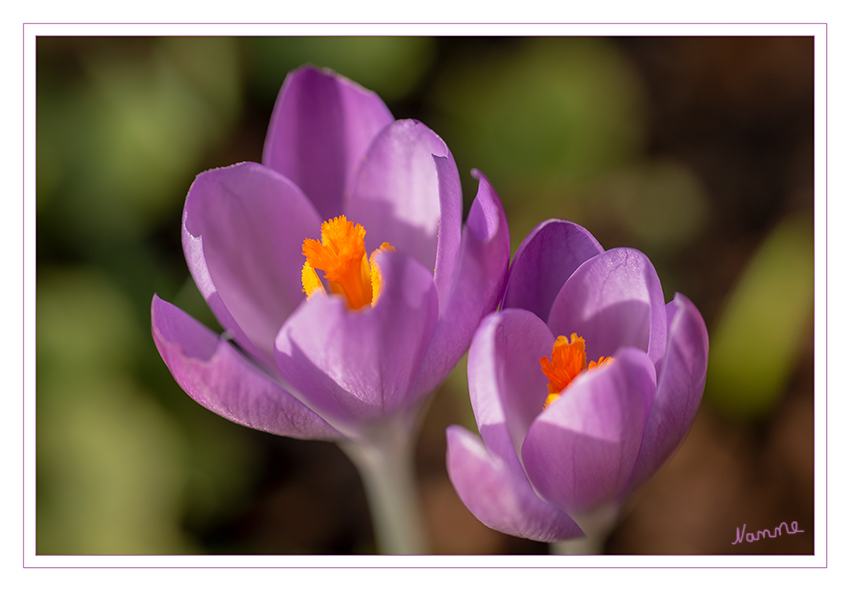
x=544 y=261
x=680 y=388
x=499 y=498
x=402 y=194
x=243 y=226
x=219 y=378
x=321 y=126
x=507 y=389
x=612 y=300
x=477 y=288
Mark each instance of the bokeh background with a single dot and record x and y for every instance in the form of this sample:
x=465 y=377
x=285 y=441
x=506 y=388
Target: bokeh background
x=698 y=151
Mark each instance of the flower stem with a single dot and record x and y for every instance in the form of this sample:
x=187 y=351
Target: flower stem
x=385 y=463
x=597 y=525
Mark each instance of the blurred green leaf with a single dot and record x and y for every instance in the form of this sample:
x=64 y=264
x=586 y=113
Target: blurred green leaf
x=109 y=459
x=543 y=112
x=110 y=477
x=660 y=204
x=118 y=470
x=85 y=326
x=212 y=66
x=153 y=123
x=120 y=142
x=390 y=66
x=753 y=348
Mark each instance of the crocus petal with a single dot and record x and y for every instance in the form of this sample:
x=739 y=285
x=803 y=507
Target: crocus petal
x=613 y=300
x=477 y=288
x=680 y=388
x=499 y=497
x=355 y=366
x=221 y=379
x=544 y=261
x=400 y=192
x=243 y=227
x=449 y=235
x=507 y=388
x=580 y=451
x=321 y=126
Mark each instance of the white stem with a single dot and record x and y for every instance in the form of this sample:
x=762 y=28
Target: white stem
x=597 y=525
x=385 y=463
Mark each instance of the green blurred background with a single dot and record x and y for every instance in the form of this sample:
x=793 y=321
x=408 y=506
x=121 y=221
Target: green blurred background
x=698 y=151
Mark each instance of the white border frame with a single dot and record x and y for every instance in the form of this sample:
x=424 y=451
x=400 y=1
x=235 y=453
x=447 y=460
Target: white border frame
x=818 y=560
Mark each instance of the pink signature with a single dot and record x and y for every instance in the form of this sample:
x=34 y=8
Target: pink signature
x=741 y=533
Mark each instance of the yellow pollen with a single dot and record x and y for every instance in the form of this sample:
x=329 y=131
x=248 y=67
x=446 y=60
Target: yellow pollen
x=568 y=361
x=342 y=256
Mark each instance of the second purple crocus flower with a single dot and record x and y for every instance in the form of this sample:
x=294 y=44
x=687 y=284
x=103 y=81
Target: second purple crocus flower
x=582 y=385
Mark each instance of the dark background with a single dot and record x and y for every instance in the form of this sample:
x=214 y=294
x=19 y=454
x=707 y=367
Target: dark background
x=698 y=151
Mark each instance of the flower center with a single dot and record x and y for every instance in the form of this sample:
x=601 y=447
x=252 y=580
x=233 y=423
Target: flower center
x=568 y=361
x=342 y=256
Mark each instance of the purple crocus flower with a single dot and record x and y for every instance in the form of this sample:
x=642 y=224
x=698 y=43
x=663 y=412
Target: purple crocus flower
x=340 y=179
x=556 y=454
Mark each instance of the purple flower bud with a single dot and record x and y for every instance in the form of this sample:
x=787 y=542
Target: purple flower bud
x=605 y=428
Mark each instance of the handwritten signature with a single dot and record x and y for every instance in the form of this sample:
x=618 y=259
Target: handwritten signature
x=741 y=533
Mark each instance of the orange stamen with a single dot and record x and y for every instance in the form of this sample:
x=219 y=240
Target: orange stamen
x=342 y=256
x=568 y=361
